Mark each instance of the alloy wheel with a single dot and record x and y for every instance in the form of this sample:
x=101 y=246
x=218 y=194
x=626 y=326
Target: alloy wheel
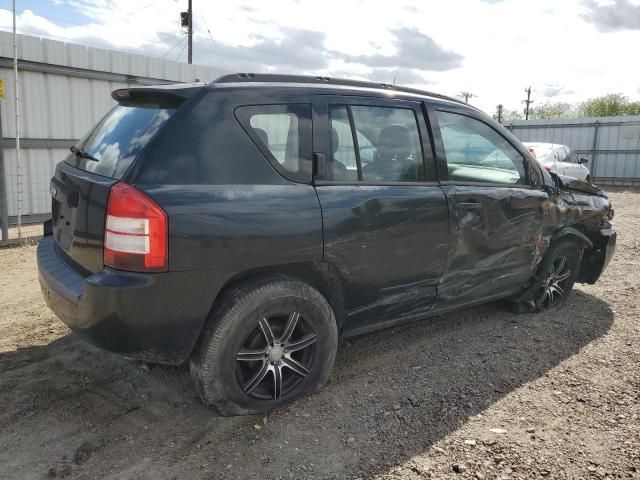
x=276 y=356
x=552 y=292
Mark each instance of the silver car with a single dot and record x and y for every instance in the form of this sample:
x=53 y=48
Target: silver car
x=560 y=159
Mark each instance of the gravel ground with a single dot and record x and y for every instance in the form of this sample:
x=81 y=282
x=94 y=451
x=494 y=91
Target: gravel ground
x=481 y=393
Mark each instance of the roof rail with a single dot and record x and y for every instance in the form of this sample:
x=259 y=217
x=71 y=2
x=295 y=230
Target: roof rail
x=277 y=78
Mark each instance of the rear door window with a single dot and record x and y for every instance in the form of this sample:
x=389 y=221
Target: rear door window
x=118 y=139
x=283 y=134
x=375 y=144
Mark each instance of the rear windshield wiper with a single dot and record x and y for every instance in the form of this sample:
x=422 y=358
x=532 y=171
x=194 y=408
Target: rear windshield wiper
x=78 y=152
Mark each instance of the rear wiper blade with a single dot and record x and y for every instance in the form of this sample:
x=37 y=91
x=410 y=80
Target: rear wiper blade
x=78 y=152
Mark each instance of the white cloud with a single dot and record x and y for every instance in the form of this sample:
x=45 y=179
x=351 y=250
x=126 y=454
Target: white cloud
x=492 y=49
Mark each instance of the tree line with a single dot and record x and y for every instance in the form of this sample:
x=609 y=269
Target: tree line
x=611 y=105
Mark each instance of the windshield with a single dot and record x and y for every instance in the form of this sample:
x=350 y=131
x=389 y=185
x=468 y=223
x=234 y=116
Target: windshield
x=118 y=139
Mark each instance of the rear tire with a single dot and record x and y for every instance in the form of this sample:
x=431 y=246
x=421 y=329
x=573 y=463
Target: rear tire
x=266 y=344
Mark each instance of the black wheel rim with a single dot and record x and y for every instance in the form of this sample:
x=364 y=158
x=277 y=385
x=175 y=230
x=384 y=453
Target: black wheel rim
x=276 y=356
x=552 y=292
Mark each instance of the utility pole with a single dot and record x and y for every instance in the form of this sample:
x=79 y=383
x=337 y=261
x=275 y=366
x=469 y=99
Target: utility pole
x=186 y=21
x=4 y=208
x=466 y=96
x=527 y=103
x=500 y=113
x=17 y=126
x=190 y=33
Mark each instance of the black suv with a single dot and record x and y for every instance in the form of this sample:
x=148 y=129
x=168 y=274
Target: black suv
x=248 y=224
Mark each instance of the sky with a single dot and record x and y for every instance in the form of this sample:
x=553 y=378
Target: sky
x=566 y=50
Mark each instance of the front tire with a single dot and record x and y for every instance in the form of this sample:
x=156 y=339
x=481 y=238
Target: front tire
x=556 y=276
x=266 y=344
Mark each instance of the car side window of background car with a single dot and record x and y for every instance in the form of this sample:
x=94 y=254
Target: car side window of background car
x=475 y=152
x=375 y=144
x=283 y=134
x=562 y=154
x=573 y=158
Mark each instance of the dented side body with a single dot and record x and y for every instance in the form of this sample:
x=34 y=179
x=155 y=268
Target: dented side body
x=497 y=236
x=491 y=253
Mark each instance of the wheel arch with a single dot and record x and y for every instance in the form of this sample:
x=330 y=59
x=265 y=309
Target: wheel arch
x=322 y=276
x=593 y=259
x=572 y=233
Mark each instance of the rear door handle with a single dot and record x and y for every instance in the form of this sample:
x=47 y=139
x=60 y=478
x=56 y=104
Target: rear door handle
x=468 y=205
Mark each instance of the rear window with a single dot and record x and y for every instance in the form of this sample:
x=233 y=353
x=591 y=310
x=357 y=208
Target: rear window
x=283 y=134
x=118 y=139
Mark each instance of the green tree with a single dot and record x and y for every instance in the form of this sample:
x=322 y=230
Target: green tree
x=610 y=105
x=553 y=110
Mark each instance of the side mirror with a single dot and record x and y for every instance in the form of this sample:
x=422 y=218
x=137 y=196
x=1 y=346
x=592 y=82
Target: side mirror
x=551 y=190
x=583 y=160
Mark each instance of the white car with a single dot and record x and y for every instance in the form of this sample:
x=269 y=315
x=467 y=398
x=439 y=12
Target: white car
x=559 y=159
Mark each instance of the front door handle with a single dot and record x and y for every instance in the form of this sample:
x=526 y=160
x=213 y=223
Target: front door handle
x=472 y=205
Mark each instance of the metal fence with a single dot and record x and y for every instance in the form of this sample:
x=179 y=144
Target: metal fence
x=65 y=89
x=612 y=144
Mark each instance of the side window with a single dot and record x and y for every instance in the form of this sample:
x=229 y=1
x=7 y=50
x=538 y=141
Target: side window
x=475 y=152
x=561 y=154
x=573 y=158
x=283 y=134
x=386 y=148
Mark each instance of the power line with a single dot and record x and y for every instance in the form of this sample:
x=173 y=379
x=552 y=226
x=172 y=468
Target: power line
x=86 y=44
x=173 y=48
x=219 y=54
x=140 y=9
x=181 y=52
x=208 y=31
x=213 y=43
x=86 y=25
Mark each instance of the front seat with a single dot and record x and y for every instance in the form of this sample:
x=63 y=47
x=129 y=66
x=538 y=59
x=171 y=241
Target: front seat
x=392 y=162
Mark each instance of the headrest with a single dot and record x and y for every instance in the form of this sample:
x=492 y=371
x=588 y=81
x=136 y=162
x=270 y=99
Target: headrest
x=262 y=135
x=335 y=140
x=395 y=136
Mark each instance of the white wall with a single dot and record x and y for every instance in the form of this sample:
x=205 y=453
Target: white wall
x=55 y=106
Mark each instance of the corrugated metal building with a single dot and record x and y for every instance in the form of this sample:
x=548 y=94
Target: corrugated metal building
x=64 y=90
x=612 y=144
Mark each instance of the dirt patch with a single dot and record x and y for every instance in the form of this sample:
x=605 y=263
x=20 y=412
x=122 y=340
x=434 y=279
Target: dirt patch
x=481 y=393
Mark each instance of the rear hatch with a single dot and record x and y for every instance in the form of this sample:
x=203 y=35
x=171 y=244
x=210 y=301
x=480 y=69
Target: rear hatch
x=81 y=185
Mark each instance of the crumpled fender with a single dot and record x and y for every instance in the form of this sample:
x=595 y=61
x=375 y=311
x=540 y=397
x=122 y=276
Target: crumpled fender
x=570 y=183
x=565 y=232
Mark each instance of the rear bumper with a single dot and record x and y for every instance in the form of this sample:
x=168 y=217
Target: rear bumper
x=153 y=317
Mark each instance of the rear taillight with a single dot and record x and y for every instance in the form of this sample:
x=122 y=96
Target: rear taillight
x=135 y=234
